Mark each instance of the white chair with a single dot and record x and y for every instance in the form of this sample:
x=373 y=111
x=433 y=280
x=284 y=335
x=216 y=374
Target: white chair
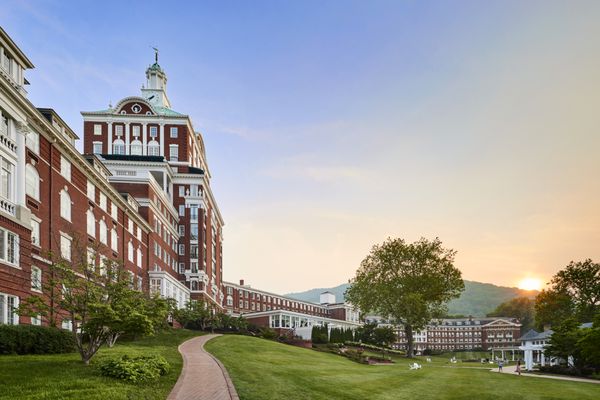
x=428 y=359
x=414 y=366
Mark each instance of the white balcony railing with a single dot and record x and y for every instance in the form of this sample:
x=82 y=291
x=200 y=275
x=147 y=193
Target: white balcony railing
x=8 y=206
x=6 y=141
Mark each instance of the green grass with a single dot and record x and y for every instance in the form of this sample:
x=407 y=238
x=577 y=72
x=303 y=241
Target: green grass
x=262 y=369
x=63 y=376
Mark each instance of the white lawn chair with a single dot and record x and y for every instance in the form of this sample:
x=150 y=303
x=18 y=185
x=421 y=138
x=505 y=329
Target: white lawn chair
x=428 y=359
x=414 y=366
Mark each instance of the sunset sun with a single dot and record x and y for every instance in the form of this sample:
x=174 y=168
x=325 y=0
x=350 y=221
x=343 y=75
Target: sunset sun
x=530 y=284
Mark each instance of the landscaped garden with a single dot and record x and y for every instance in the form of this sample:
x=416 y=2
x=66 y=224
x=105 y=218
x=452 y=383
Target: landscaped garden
x=64 y=376
x=263 y=369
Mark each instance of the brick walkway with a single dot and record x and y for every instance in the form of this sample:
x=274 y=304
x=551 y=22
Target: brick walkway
x=203 y=377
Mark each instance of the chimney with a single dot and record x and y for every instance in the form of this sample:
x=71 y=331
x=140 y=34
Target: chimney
x=241 y=282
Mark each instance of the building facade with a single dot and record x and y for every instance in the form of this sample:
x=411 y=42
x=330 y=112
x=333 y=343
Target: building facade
x=465 y=334
x=139 y=196
x=286 y=314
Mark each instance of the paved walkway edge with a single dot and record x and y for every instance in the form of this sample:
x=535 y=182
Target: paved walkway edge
x=183 y=382
x=512 y=370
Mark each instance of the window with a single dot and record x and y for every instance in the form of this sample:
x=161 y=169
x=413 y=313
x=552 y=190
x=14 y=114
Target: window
x=174 y=131
x=102 y=201
x=32 y=182
x=119 y=130
x=97 y=129
x=65 y=246
x=65 y=205
x=103 y=264
x=181 y=190
x=91 y=191
x=181 y=230
x=91 y=258
x=91 y=223
x=32 y=140
x=130 y=251
x=118 y=147
x=6 y=179
x=136 y=147
x=139 y=258
x=67 y=324
x=36 y=279
x=181 y=249
x=136 y=130
x=114 y=240
x=153 y=131
x=36 y=320
x=113 y=211
x=65 y=168
x=8 y=309
x=97 y=149
x=35 y=232
x=103 y=232
x=173 y=152
x=182 y=210
x=153 y=148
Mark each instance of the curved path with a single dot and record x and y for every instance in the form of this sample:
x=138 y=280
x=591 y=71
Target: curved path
x=203 y=377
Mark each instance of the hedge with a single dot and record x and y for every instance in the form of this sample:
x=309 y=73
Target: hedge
x=135 y=369
x=31 y=339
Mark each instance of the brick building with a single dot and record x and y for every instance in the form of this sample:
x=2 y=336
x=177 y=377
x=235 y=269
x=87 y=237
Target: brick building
x=283 y=313
x=465 y=334
x=139 y=196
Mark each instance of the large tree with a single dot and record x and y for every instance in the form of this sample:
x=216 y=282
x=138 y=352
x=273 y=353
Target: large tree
x=519 y=307
x=574 y=292
x=407 y=282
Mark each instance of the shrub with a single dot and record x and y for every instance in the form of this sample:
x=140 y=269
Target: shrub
x=319 y=334
x=267 y=333
x=136 y=369
x=355 y=355
x=31 y=339
x=564 y=370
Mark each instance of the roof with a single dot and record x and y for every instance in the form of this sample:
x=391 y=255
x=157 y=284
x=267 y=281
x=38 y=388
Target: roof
x=14 y=48
x=529 y=335
x=194 y=170
x=127 y=157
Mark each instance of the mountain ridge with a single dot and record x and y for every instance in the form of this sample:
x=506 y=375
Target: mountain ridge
x=477 y=299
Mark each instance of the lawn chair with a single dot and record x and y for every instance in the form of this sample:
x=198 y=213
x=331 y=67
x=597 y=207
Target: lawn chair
x=414 y=366
x=428 y=359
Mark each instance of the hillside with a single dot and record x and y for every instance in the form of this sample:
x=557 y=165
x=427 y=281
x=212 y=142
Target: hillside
x=477 y=300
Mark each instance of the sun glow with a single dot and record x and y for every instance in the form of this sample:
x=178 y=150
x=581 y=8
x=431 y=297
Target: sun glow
x=530 y=284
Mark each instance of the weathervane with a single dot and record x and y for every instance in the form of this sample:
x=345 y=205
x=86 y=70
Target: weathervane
x=155 y=54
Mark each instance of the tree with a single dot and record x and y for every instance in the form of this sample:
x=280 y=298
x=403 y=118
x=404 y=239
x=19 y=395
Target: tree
x=99 y=302
x=410 y=283
x=563 y=342
x=522 y=308
x=366 y=333
x=384 y=336
x=195 y=315
x=574 y=292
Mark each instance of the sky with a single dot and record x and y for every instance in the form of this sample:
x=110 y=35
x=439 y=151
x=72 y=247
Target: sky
x=333 y=125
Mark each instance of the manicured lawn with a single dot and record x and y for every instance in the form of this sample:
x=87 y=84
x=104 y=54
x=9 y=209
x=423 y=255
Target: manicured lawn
x=63 y=376
x=263 y=370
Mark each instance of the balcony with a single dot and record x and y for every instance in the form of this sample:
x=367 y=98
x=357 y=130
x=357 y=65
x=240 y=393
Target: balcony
x=6 y=141
x=8 y=207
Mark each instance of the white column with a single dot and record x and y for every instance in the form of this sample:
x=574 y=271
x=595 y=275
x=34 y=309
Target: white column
x=127 y=138
x=19 y=197
x=144 y=140
x=109 y=135
x=162 y=139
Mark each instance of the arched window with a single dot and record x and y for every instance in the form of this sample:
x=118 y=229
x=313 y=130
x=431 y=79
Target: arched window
x=114 y=240
x=91 y=223
x=136 y=148
x=103 y=232
x=118 y=147
x=65 y=205
x=153 y=148
x=32 y=182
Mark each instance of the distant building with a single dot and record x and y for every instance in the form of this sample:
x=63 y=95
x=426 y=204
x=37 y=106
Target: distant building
x=286 y=314
x=464 y=334
x=533 y=345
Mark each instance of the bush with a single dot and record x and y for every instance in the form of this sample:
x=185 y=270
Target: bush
x=356 y=355
x=267 y=333
x=564 y=370
x=136 y=369
x=31 y=339
x=319 y=334
x=375 y=348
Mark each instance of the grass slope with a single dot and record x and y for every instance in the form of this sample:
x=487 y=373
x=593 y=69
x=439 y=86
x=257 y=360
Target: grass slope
x=263 y=370
x=477 y=300
x=63 y=376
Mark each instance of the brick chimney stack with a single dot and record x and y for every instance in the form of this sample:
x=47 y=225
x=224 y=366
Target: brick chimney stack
x=241 y=282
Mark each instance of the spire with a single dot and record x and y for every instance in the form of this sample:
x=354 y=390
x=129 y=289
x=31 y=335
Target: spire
x=155 y=90
x=155 y=55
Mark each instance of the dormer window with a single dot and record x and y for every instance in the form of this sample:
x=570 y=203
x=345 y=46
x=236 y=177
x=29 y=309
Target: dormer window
x=136 y=108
